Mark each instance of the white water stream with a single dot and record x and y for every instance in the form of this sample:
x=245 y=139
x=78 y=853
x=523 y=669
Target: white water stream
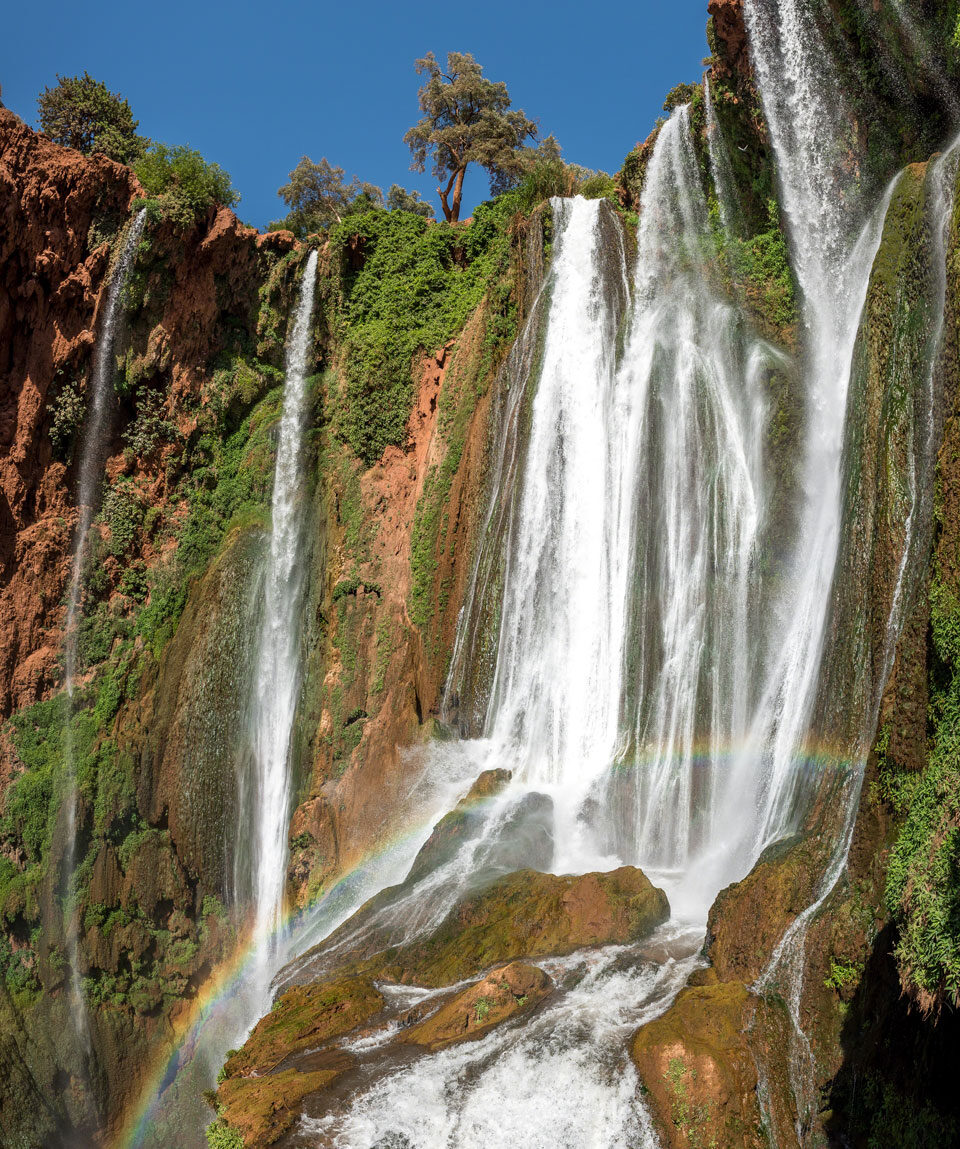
x=264 y=790
x=94 y=445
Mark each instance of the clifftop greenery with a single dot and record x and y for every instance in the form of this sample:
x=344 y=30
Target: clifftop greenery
x=81 y=112
x=182 y=183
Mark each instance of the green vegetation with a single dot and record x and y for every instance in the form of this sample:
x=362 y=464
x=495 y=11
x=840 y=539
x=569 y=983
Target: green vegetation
x=923 y=881
x=843 y=973
x=885 y=1117
x=399 y=199
x=80 y=112
x=692 y=1121
x=221 y=1136
x=759 y=269
x=67 y=410
x=482 y=1010
x=414 y=288
x=318 y=197
x=181 y=184
x=227 y=484
x=466 y=119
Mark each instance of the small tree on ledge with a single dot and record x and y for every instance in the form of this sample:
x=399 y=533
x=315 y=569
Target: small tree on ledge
x=466 y=119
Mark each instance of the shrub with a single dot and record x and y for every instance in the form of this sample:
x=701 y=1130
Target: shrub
x=182 y=183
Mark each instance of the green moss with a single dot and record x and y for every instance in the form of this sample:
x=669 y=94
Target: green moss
x=220 y=1136
x=923 y=879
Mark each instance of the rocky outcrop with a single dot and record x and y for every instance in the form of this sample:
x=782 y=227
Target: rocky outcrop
x=699 y=1071
x=727 y=36
x=488 y=938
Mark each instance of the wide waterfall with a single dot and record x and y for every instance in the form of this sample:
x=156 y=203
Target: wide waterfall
x=264 y=786
x=94 y=447
x=650 y=603
x=631 y=618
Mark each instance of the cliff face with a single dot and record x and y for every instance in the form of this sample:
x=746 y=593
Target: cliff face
x=58 y=211
x=169 y=597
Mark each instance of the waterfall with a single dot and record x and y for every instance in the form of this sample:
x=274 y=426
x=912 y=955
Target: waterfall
x=264 y=774
x=833 y=242
x=721 y=170
x=693 y=377
x=265 y=788
x=93 y=454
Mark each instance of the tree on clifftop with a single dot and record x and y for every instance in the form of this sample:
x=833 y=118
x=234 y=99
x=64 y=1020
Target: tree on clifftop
x=82 y=113
x=318 y=197
x=467 y=119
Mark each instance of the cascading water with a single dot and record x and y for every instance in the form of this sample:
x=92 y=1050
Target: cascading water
x=630 y=619
x=264 y=790
x=650 y=692
x=264 y=775
x=93 y=454
x=832 y=254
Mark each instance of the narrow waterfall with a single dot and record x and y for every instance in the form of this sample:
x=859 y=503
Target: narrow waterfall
x=264 y=797
x=555 y=698
x=834 y=237
x=93 y=455
x=264 y=782
x=693 y=378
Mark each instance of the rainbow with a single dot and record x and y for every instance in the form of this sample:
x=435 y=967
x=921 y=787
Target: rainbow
x=224 y=984
x=227 y=980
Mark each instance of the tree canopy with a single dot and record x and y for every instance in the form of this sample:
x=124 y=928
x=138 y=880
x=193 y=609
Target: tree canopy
x=399 y=199
x=466 y=119
x=81 y=112
x=318 y=196
x=188 y=182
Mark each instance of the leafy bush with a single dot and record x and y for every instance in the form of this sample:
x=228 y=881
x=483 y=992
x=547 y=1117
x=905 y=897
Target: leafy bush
x=122 y=512
x=319 y=197
x=923 y=879
x=182 y=183
x=399 y=199
x=67 y=411
x=221 y=1136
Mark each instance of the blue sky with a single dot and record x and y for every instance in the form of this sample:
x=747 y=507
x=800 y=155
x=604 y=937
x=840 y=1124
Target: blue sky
x=255 y=86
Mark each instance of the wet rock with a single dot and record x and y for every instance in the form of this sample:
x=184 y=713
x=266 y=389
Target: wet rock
x=305 y=1017
x=525 y=840
x=697 y=1070
x=262 y=1109
x=749 y=918
x=529 y=914
x=464 y=822
x=500 y=995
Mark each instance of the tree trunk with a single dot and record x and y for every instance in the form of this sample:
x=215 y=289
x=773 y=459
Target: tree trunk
x=458 y=194
x=452 y=214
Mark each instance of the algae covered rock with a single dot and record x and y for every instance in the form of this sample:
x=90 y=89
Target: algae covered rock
x=698 y=1072
x=262 y=1109
x=530 y=914
x=749 y=918
x=261 y=1090
x=305 y=1017
x=501 y=994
